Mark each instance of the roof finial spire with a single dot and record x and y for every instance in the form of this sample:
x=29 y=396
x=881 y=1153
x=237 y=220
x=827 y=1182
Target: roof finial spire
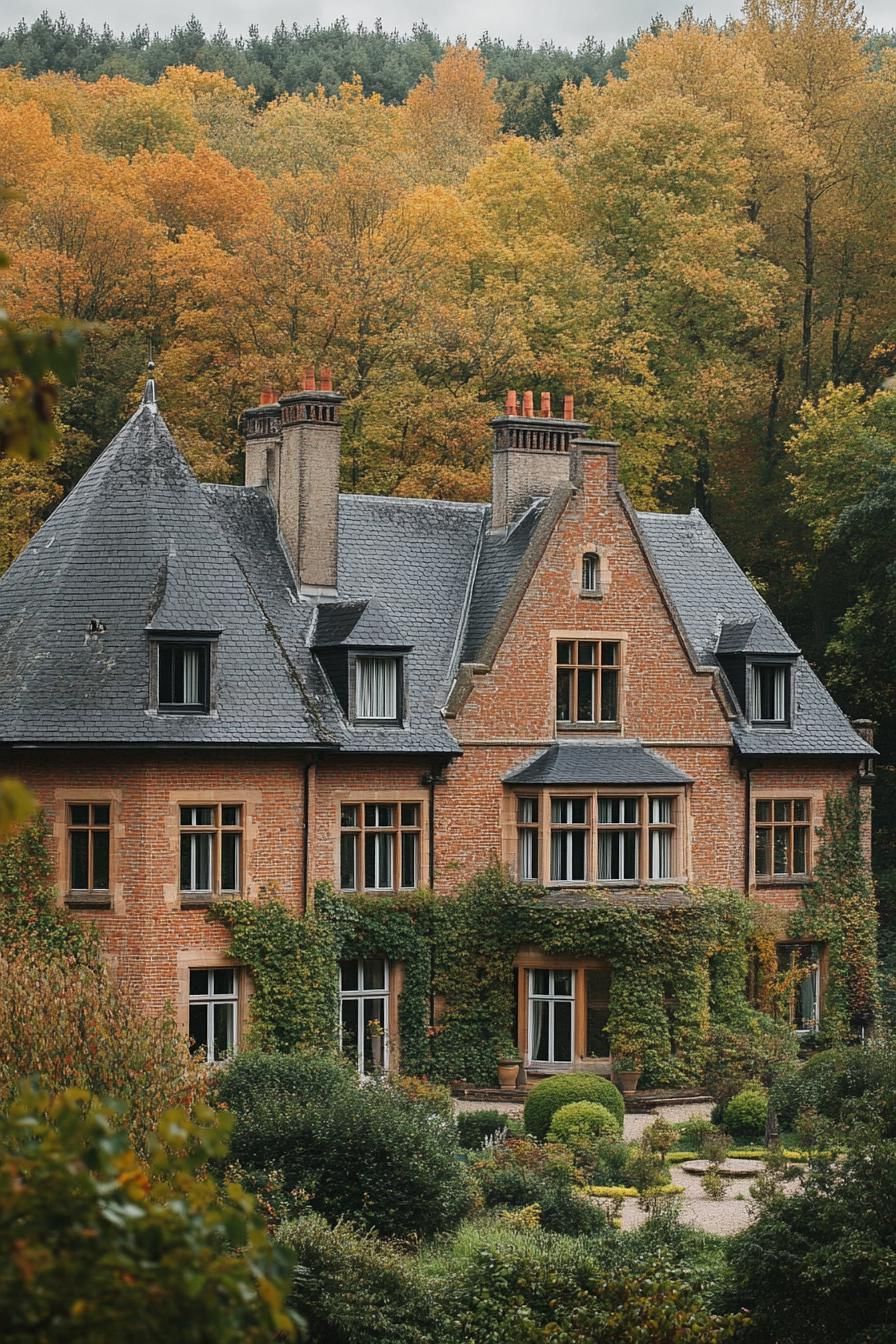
x=149 y=391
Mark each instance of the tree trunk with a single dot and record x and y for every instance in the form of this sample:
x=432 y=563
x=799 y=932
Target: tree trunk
x=808 y=287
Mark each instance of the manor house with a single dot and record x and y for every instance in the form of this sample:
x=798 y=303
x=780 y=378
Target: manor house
x=221 y=691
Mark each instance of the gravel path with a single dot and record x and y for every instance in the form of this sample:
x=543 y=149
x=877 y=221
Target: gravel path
x=724 y=1216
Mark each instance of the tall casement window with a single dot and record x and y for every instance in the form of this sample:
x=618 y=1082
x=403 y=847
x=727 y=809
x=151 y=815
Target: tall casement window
x=551 y=1016
x=804 y=1008
x=364 y=1013
x=600 y=838
x=211 y=850
x=379 y=846
x=213 y=1013
x=590 y=573
x=588 y=672
x=184 y=678
x=377 y=688
x=770 y=692
x=89 y=836
x=782 y=838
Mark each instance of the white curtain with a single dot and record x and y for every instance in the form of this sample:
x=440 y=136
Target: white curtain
x=191 y=677
x=376 y=688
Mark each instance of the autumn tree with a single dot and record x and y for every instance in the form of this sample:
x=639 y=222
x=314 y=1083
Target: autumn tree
x=451 y=117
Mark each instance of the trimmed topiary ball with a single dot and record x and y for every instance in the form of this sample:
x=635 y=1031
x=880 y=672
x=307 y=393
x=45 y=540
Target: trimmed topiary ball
x=583 y=1120
x=746 y=1113
x=552 y=1093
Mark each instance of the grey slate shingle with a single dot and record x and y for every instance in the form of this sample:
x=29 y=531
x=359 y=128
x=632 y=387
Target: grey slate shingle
x=616 y=762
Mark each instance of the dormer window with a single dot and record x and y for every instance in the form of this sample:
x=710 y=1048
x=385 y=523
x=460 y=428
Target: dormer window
x=377 y=688
x=183 y=677
x=770 y=686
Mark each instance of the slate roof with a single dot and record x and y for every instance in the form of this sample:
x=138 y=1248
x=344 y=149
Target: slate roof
x=708 y=589
x=140 y=548
x=616 y=762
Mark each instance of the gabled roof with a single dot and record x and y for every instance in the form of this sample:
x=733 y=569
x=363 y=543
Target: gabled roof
x=708 y=589
x=134 y=545
x=615 y=763
x=499 y=563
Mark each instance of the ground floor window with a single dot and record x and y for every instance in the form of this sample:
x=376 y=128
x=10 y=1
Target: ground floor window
x=563 y=1014
x=364 y=1013
x=213 y=1023
x=804 y=1006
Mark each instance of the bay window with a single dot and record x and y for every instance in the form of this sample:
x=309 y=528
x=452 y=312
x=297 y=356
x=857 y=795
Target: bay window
x=600 y=837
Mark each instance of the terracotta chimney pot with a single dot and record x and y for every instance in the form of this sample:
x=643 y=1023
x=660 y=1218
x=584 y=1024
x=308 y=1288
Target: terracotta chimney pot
x=326 y=378
x=528 y=404
x=546 y=404
x=268 y=395
x=510 y=405
x=568 y=408
x=308 y=384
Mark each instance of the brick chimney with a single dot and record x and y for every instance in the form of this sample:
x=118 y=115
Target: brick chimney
x=308 y=494
x=531 y=454
x=292 y=448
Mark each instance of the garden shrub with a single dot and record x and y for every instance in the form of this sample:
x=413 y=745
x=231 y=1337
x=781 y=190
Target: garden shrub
x=821 y=1264
x=583 y=1120
x=552 y=1093
x=66 y=1023
x=434 y=1096
x=735 y=1056
x=355 y=1289
x=365 y=1153
x=692 y=1133
x=99 y=1245
x=475 y=1127
x=530 y=1287
x=253 y=1074
x=522 y=1173
x=849 y=1085
x=746 y=1113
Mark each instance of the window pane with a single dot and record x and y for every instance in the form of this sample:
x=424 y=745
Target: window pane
x=224 y=1023
x=186 y=862
x=101 y=814
x=608 y=855
x=609 y=695
x=100 y=861
x=223 y=981
x=630 y=809
x=800 y=836
x=782 y=810
x=661 y=810
x=199 y=1029
x=585 y=700
x=374 y=973
x=564 y=651
x=763 y=852
x=230 y=861
x=373 y=1010
x=609 y=810
x=597 y=1042
x=528 y=856
x=563 y=982
x=564 y=695
x=540 y=982
x=410 y=814
x=781 y=848
x=590 y=571
x=199 y=982
x=801 y=810
x=539 y=1045
x=348 y=815
x=349 y=974
x=562 y=1033
x=230 y=815
x=376 y=688
x=577 y=861
x=378 y=860
x=579 y=810
x=527 y=809
x=348 y=861
x=587 y=652
x=630 y=855
x=609 y=653
x=79 y=814
x=764 y=810
x=410 y=844
x=79 y=842
x=166 y=675
x=660 y=854
x=379 y=814
x=349 y=1022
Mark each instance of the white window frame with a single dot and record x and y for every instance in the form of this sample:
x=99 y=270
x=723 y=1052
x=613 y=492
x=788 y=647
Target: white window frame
x=362 y=701
x=359 y=996
x=781 y=671
x=210 y=999
x=212 y=836
x=551 y=999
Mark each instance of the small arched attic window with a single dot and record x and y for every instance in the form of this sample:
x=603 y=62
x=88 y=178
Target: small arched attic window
x=591 y=576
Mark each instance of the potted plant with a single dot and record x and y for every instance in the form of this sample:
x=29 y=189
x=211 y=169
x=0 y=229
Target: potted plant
x=509 y=1060
x=627 y=1072
x=377 y=1034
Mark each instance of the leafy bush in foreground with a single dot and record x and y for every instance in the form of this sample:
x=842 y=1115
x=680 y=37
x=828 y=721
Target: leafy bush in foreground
x=364 y=1153
x=582 y=1120
x=746 y=1113
x=552 y=1093
x=848 y=1085
x=521 y=1174
x=254 y=1074
x=474 y=1127
x=96 y=1245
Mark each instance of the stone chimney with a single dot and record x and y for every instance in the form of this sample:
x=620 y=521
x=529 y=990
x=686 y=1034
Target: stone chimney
x=531 y=454
x=292 y=447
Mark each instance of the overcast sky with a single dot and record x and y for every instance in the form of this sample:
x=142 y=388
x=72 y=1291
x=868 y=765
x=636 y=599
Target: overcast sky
x=565 y=22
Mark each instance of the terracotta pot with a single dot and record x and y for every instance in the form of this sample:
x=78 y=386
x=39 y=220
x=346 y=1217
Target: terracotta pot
x=508 y=1072
x=628 y=1082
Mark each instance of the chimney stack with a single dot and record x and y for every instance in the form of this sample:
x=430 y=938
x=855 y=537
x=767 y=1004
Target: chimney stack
x=531 y=454
x=260 y=428
x=308 y=491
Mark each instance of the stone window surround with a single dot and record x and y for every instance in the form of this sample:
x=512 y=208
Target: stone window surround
x=360 y=796
x=615 y=728
x=251 y=802
x=815 y=799
x=194 y=959
x=62 y=798
x=532 y=959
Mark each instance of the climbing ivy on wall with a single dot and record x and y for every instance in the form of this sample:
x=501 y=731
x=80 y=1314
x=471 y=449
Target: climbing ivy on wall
x=841 y=911
x=671 y=969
